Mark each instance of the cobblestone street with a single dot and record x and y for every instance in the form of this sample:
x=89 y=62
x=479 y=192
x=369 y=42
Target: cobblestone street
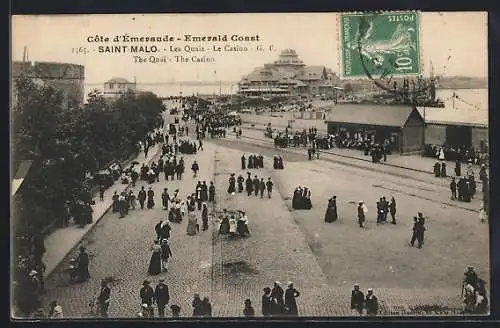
x=284 y=245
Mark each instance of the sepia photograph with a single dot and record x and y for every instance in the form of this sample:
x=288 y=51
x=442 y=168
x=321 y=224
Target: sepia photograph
x=270 y=166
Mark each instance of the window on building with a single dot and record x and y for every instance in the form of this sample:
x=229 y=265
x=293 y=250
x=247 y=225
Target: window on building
x=111 y=85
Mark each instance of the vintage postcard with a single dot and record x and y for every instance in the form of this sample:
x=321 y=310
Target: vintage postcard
x=250 y=165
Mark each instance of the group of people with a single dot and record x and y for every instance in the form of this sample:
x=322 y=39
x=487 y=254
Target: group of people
x=418 y=231
x=254 y=162
x=254 y=185
x=159 y=295
x=301 y=199
x=278 y=162
x=276 y=302
x=464 y=189
x=233 y=223
x=361 y=304
x=475 y=155
x=475 y=298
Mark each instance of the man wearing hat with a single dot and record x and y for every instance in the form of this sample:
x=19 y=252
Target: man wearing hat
x=290 y=303
x=166 y=253
x=277 y=297
x=470 y=277
x=371 y=303
x=162 y=297
x=147 y=296
x=362 y=211
x=103 y=299
x=357 y=300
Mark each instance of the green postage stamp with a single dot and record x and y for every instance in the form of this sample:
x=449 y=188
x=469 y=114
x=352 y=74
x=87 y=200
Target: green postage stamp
x=380 y=44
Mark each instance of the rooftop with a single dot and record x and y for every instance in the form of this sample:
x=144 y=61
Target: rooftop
x=119 y=80
x=449 y=116
x=381 y=115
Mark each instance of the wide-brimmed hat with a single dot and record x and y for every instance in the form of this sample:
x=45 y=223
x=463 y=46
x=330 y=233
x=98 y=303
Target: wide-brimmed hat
x=370 y=289
x=146 y=282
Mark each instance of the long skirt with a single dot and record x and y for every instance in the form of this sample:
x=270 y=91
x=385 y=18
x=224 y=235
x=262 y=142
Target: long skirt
x=191 y=228
x=151 y=203
x=331 y=214
x=242 y=228
x=231 y=188
x=155 y=264
x=224 y=227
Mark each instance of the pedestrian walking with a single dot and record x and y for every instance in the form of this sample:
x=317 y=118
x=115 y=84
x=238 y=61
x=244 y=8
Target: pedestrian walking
x=414 y=232
x=147 y=296
x=371 y=303
x=453 y=188
x=277 y=297
x=290 y=303
x=151 y=201
x=162 y=297
x=115 y=204
x=200 y=144
x=357 y=301
x=269 y=186
x=421 y=231
x=195 y=168
x=132 y=200
x=101 y=192
x=103 y=299
x=248 y=310
x=362 y=211
x=197 y=305
x=262 y=187
x=267 y=303
x=142 y=197
x=166 y=254
x=206 y=306
x=211 y=192
x=165 y=198
x=392 y=210
x=204 y=217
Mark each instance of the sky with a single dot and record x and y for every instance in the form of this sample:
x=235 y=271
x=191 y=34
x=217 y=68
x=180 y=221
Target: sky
x=455 y=42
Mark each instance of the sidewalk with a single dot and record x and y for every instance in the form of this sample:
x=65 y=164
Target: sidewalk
x=61 y=241
x=409 y=162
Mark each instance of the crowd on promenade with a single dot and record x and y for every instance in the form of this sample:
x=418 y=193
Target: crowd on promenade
x=462 y=153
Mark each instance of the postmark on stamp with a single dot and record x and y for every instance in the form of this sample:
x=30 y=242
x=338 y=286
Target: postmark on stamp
x=375 y=45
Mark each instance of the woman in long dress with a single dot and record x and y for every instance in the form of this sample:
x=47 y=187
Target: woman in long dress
x=151 y=201
x=155 y=262
x=224 y=225
x=232 y=184
x=191 y=227
x=242 y=225
x=331 y=211
x=232 y=225
x=307 y=199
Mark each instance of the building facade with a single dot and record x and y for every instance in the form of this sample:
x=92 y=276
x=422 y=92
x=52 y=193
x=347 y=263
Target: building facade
x=288 y=76
x=67 y=78
x=118 y=86
x=401 y=126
